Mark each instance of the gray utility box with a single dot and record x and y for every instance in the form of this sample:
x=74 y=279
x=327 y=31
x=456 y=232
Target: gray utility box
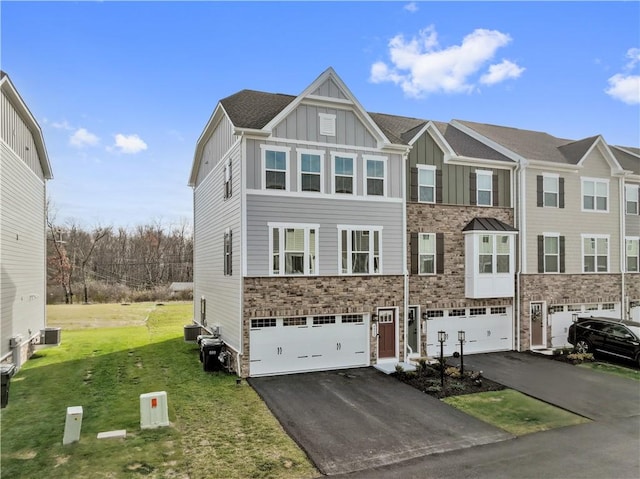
x=191 y=332
x=51 y=335
x=6 y=371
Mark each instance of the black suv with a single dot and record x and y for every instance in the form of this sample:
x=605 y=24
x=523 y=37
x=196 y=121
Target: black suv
x=608 y=336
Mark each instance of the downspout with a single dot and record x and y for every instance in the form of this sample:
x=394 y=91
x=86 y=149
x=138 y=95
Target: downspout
x=623 y=227
x=521 y=227
x=405 y=158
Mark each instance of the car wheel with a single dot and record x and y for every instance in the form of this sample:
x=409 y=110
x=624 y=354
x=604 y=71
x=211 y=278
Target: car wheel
x=583 y=346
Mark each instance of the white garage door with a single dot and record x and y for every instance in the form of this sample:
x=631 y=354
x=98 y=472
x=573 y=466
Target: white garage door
x=486 y=330
x=293 y=345
x=561 y=317
x=634 y=311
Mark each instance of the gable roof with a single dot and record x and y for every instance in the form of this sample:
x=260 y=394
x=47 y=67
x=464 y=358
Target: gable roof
x=465 y=145
x=18 y=103
x=628 y=157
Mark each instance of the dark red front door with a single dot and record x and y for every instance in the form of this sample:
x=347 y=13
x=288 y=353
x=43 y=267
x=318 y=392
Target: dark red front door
x=386 y=333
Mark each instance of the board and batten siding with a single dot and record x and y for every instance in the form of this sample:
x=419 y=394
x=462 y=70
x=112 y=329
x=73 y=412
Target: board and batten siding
x=212 y=216
x=456 y=187
x=328 y=213
x=218 y=144
x=303 y=124
x=570 y=221
x=254 y=167
x=22 y=248
x=18 y=136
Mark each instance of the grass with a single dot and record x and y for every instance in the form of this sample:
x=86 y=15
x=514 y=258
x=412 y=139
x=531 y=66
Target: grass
x=109 y=355
x=614 y=369
x=514 y=412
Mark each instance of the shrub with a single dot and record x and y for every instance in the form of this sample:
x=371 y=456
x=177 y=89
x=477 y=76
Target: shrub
x=453 y=372
x=577 y=358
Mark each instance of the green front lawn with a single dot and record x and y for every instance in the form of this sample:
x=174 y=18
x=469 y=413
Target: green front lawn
x=609 y=368
x=107 y=358
x=514 y=412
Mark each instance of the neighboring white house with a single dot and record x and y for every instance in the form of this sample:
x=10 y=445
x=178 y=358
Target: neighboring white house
x=24 y=171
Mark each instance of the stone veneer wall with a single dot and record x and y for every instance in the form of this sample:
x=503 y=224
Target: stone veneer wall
x=563 y=289
x=632 y=286
x=319 y=295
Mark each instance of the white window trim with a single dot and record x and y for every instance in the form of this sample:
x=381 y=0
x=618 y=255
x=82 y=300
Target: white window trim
x=287 y=151
x=429 y=168
x=494 y=252
x=490 y=175
x=281 y=227
x=349 y=229
x=354 y=157
x=596 y=237
x=637 y=201
x=544 y=252
x=304 y=151
x=631 y=238
x=557 y=192
x=435 y=254
x=365 y=159
x=327 y=124
x=595 y=180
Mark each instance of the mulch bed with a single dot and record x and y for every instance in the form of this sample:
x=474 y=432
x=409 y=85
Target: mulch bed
x=427 y=379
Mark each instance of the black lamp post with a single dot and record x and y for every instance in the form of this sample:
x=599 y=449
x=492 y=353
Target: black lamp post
x=574 y=320
x=442 y=337
x=461 y=339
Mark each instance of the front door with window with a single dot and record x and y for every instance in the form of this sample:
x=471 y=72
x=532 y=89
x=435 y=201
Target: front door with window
x=386 y=333
x=538 y=325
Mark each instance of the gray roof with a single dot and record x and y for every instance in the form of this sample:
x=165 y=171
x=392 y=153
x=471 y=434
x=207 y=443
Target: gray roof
x=398 y=129
x=254 y=109
x=487 y=224
x=465 y=145
x=627 y=161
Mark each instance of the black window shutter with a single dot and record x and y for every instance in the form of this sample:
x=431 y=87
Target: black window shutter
x=561 y=193
x=230 y=252
x=539 y=190
x=540 y=254
x=639 y=200
x=473 y=189
x=414 y=185
x=561 y=245
x=440 y=253
x=414 y=253
x=438 y=186
x=496 y=196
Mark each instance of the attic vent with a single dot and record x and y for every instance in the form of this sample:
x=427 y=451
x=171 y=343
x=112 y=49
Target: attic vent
x=327 y=124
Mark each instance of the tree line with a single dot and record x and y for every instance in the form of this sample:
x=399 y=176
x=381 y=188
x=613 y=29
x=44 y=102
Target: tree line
x=123 y=262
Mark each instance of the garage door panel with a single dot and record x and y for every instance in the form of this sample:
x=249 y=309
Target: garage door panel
x=326 y=345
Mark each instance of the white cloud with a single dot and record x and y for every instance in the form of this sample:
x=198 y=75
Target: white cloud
x=130 y=143
x=421 y=66
x=411 y=7
x=81 y=138
x=625 y=88
x=501 y=72
x=62 y=125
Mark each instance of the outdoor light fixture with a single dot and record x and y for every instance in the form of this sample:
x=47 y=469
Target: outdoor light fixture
x=462 y=341
x=442 y=337
x=374 y=317
x=424 y=315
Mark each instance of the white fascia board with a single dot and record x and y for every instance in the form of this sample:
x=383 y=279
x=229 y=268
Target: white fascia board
x=480 y=162
x=251 y=133
x=616 y=169
x=7 y=86
x=629 y=152
x=490 y=143
x=214 y=119
x=360 y=111
x=433 y=131
x=552 y=165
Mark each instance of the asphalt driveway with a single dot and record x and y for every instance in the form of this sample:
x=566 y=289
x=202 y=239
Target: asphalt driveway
x=591 y=394
x=358 y=419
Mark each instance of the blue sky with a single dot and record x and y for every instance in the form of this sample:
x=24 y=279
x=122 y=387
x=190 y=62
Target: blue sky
x=122 y=90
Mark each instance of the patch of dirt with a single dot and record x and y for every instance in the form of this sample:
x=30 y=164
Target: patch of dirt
x=25 y=455
x=60 y=460
x=427 y=379
x=139 y=467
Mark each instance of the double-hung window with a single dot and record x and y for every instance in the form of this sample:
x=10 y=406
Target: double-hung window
x=595 y=253
x=595 y=194
x=426 y=253
x=360 y=249
x=632 y=254
x=343 y=173
x=228 y=252
x=426 y=184
x=294 y=249
x=484 y=188
x=550 y=190
x=275 y=167
x=311 y=163
x=494 y=254
x=552 y=254
x=375 y=176
x=632 y=192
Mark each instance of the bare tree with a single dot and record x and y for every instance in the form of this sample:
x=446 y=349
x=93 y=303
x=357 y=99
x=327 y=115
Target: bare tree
x=59 y=260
